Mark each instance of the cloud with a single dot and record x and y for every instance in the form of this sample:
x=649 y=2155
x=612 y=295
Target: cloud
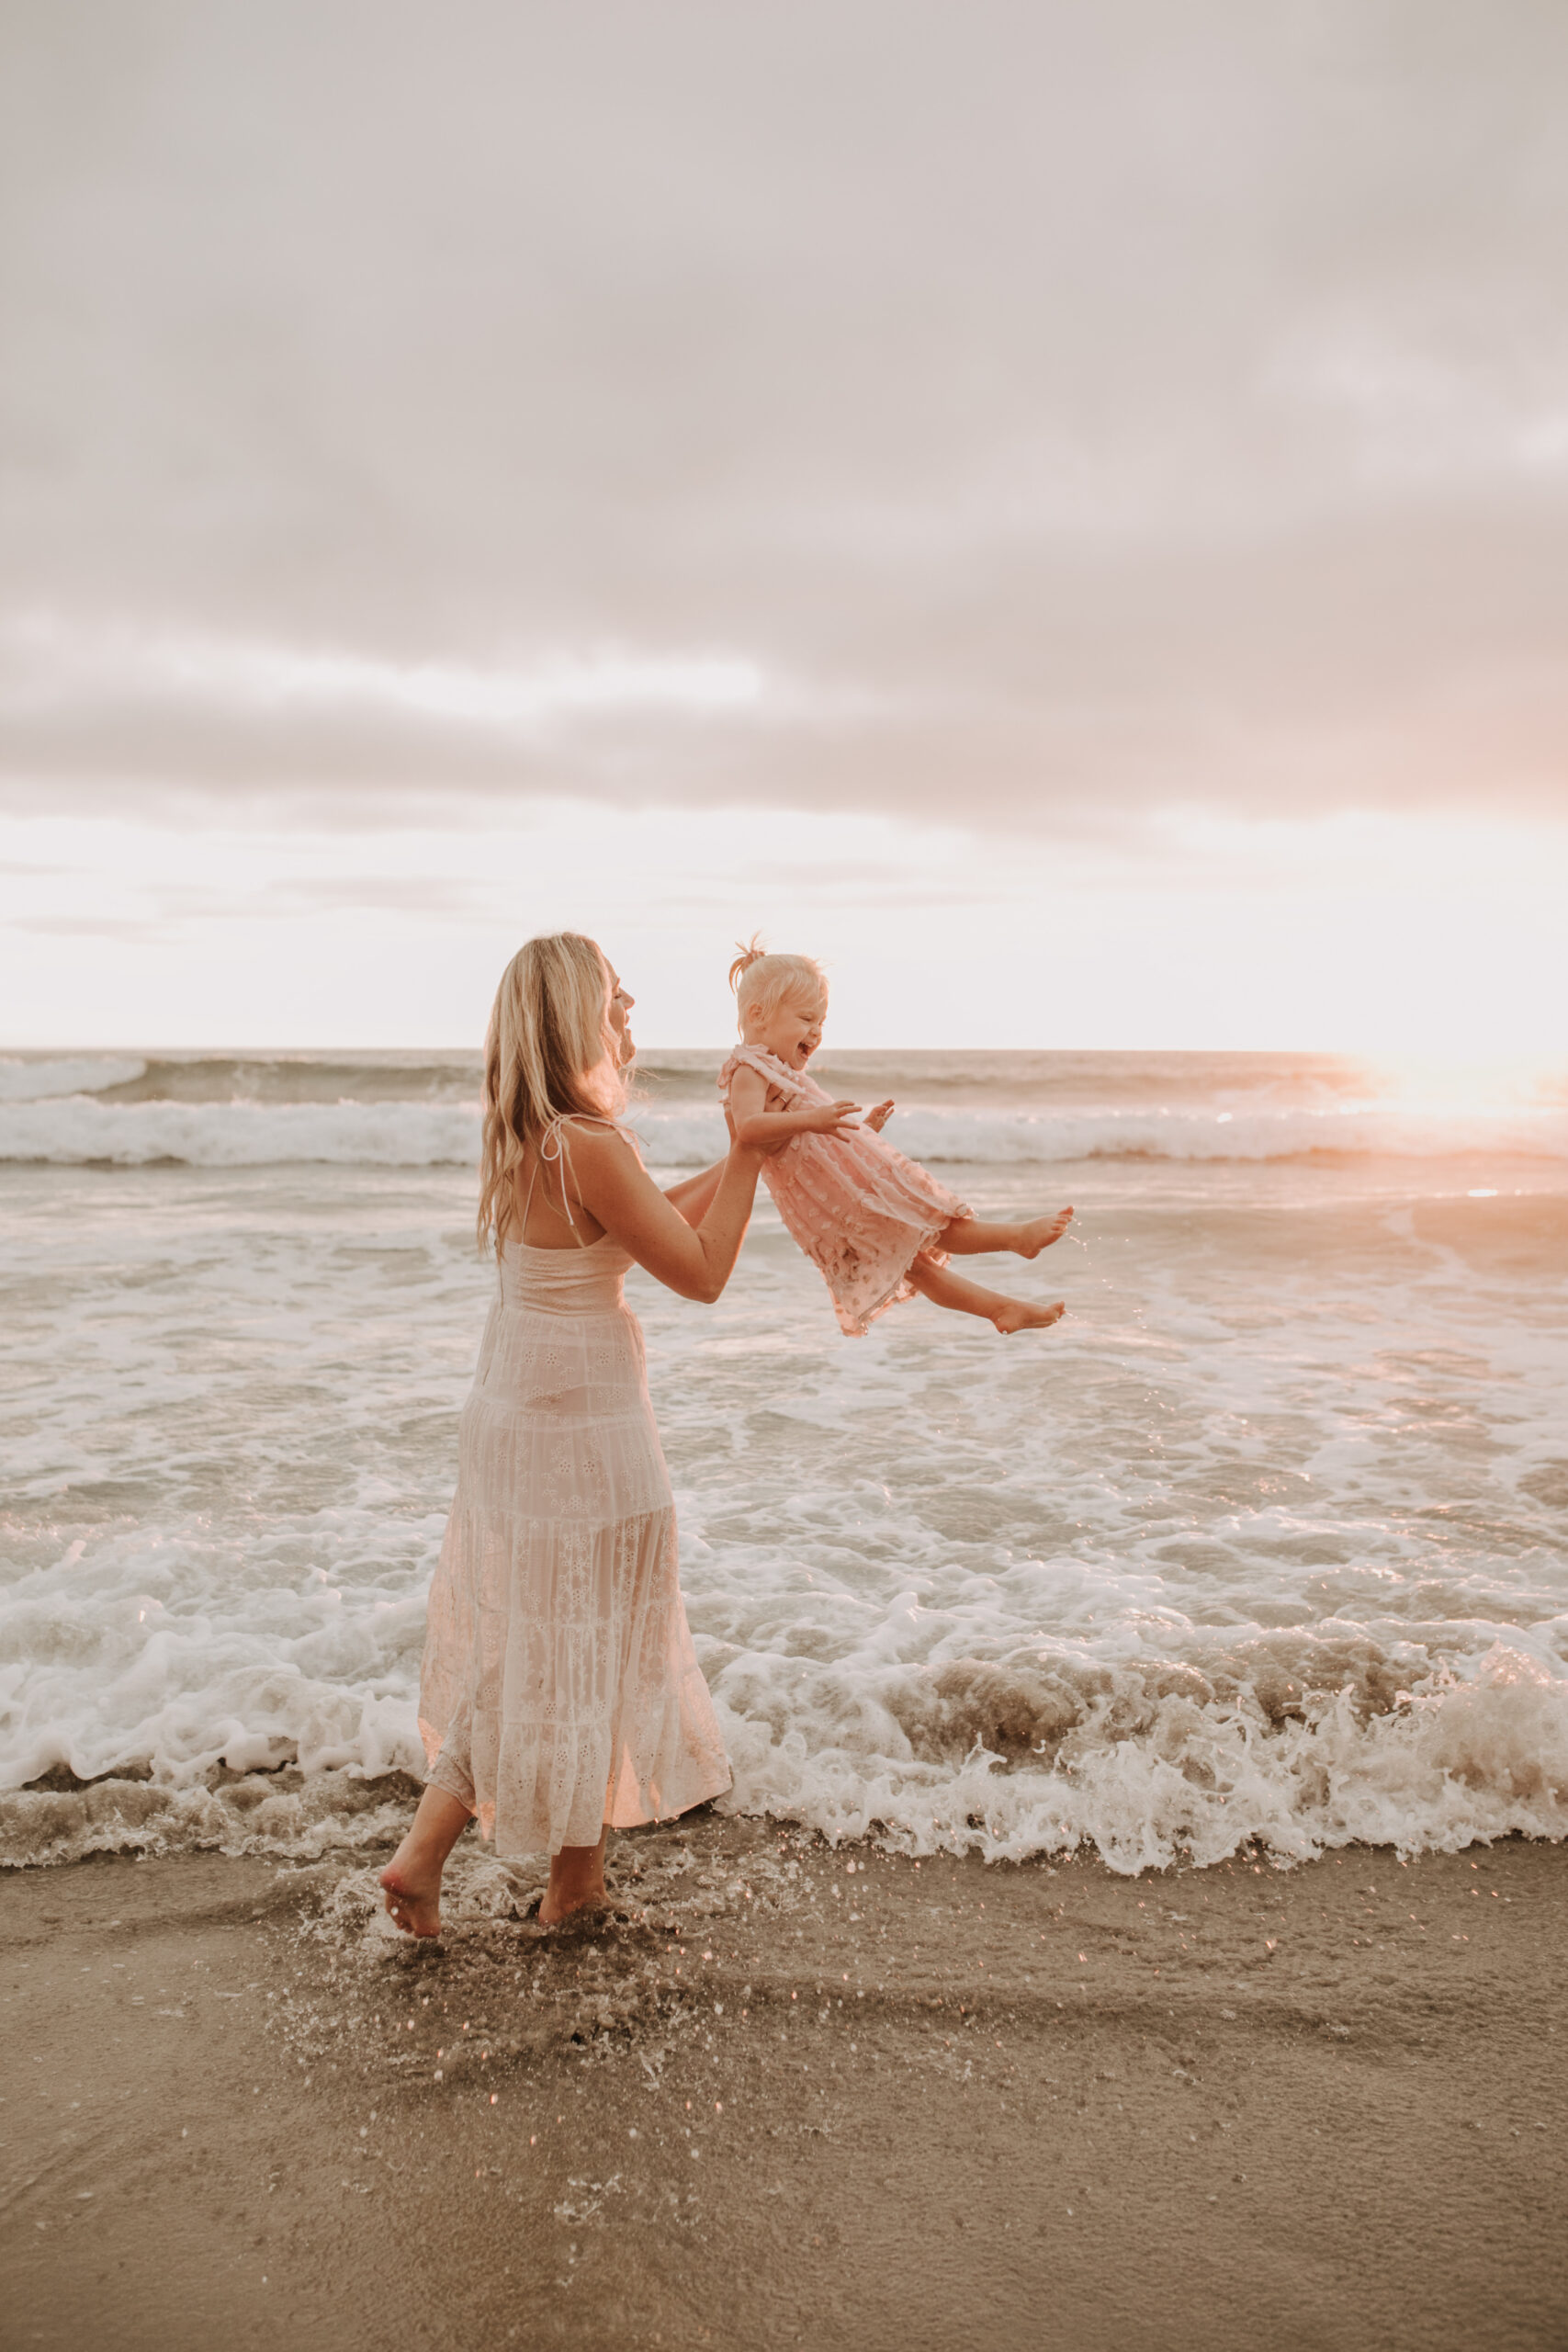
x=57 y=667
x=1028 y=413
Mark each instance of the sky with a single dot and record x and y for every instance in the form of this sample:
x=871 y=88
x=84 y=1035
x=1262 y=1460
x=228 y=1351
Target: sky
x=1058 y=512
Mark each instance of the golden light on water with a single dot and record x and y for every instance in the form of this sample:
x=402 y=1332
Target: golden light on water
x=1508 y=1082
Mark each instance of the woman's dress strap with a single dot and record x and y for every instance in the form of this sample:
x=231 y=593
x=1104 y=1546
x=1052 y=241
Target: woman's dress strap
x=554 y=1133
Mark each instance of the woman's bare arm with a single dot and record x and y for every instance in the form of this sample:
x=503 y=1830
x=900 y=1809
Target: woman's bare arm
x=614 y=1187
x=692 y=1196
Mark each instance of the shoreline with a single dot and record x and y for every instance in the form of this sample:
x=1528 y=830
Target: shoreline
x=789 y=2094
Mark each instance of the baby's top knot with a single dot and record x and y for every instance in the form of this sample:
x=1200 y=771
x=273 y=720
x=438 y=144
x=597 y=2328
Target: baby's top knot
x=744 y=961
x=761 y=982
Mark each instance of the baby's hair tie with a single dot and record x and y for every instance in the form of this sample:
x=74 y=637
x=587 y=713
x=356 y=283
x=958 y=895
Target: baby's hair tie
x=747 y=957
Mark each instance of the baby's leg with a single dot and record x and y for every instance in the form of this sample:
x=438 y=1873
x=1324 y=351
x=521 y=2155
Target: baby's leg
x=946 y=1289
x=972 y=1236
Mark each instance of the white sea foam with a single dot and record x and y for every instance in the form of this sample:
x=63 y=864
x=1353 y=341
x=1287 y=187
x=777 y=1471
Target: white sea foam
x=1016 y=1138
x=83 y=1131
x=1154 y=1781
x=1264 y=1543
x=1150 y=1776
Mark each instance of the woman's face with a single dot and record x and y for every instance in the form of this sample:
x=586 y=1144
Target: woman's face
x=621 y=1003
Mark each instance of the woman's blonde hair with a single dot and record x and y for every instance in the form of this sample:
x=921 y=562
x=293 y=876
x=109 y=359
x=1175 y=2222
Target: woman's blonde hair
x=549 y=1050
x=762 y=982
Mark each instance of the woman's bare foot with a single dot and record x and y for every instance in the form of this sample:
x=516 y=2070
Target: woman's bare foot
x=1022 y=1315
x=413 y=1897
x=553 y=1909
x=410 y=1883
x=1041 y=1231
x=577 y=1884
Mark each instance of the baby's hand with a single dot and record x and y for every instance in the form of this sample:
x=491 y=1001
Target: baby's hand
x=827 y=1118
x=878 y=1119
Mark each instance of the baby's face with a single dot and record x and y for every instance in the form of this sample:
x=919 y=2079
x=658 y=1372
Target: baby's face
x=793 y=1032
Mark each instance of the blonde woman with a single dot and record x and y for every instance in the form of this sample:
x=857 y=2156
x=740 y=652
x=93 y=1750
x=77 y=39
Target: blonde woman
x=560 y=1693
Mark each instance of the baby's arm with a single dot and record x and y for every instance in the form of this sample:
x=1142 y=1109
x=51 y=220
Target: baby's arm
x=757 y=1126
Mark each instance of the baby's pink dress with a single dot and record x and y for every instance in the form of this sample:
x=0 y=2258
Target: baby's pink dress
x=860 y=1210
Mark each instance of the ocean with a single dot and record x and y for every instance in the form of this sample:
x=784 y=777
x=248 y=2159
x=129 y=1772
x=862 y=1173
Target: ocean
x=1264 y=1546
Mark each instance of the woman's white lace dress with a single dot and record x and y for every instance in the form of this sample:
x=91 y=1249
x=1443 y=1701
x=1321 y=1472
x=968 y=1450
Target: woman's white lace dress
x=559 y=1689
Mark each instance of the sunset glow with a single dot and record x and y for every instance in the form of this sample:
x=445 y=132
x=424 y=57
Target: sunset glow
x=1438 y=941
x=856 y=552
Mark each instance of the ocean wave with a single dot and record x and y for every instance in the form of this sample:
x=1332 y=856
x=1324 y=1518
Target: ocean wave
x=1148 y=1766
x=1017 y=1137
x=80 y=1130
x=1264 y=1545
x=35 y=1081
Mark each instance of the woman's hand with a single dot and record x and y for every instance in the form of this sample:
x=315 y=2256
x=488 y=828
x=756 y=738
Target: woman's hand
x=828 y=1118
x=877 y=1117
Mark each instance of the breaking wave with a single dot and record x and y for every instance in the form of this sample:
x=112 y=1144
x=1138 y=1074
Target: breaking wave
x=81 y=1130
x=1148 y=1766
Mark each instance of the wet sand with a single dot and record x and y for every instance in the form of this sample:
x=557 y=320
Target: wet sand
x=781 y=2101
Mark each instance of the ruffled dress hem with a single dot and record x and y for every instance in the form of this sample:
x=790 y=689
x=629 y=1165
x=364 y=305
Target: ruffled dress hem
x=624 y=1807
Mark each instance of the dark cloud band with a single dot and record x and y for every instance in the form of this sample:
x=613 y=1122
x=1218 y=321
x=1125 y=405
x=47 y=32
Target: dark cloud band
x=1018 y=412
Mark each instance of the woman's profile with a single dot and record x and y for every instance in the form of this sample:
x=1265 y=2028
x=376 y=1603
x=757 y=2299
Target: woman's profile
x=559 y=1692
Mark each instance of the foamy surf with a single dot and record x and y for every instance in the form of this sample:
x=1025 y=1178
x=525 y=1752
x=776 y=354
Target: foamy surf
x=82 y=1131
x=1152 y=1774
x=1265 y=1545
x=1144 y=1767
x=1150 y=1768
x=998 y=1110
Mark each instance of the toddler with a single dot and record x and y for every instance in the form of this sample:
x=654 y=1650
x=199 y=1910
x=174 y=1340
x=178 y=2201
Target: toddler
x=877 y=1228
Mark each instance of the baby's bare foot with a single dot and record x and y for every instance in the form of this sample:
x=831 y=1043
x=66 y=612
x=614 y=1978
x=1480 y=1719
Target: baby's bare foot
x=412 y=1895
x=1021 y=1315
x=1041 y=1231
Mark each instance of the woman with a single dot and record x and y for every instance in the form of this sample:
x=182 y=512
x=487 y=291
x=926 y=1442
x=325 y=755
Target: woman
x=559 y=1692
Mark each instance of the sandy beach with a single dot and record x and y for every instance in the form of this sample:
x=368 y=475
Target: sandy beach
x=790 y=2095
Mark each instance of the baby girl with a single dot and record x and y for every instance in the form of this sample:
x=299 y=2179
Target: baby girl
x=877 y=1228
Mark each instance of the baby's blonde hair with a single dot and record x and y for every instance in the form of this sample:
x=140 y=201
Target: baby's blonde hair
x=762 y=982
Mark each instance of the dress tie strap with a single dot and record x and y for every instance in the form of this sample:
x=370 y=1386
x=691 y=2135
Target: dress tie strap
x=552 y=1149
x=554 y=1134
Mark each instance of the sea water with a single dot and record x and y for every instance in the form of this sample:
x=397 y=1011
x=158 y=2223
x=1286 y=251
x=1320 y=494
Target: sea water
x=1265 y=1542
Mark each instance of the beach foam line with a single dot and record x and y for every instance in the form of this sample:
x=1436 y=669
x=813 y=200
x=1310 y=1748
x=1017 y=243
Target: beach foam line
x=1179 y=1780
x=1135 y=1764
x=79 y=1130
